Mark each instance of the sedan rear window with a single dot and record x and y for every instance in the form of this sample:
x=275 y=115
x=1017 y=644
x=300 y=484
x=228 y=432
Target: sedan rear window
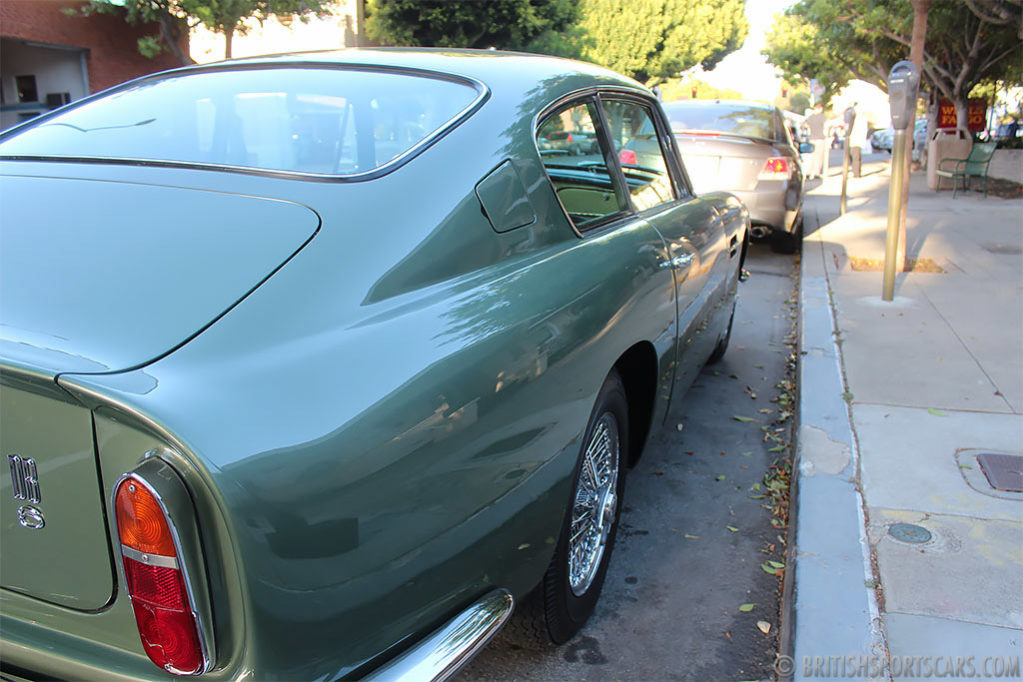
x=748 y=121
x=305 y=120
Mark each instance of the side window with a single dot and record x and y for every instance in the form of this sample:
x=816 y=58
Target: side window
x=640 y=153
x=571 y=154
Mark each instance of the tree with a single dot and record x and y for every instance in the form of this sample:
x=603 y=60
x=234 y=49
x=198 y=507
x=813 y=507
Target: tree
x=835 y=40
x=654 y=40
x=530 y=25
x=176 y=17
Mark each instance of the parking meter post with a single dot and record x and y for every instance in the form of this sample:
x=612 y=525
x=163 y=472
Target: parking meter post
x=903 y=81
x=894 y=213
x=846 y=153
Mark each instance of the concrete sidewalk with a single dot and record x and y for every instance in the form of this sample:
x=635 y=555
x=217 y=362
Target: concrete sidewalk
x=896 y=402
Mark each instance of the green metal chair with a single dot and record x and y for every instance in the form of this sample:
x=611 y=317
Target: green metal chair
x=973 y=166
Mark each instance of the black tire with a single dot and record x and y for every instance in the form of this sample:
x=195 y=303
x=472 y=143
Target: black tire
x=788 y=242
x=555 y=610
x=722 y=345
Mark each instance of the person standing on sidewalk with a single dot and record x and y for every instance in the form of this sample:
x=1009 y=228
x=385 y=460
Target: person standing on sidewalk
x=857 y=125
x=817 y=122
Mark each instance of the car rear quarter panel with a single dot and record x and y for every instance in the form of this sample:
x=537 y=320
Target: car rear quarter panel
x=386 y=428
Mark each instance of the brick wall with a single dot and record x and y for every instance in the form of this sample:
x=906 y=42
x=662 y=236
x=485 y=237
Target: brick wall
x=113 y=55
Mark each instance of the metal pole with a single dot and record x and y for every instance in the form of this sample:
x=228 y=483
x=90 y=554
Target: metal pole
x=895 y=195
x=846 y=153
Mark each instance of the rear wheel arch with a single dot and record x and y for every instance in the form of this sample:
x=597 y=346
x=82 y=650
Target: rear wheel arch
x=637 y=368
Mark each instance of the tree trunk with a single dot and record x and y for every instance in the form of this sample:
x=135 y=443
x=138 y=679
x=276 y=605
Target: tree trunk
x=921 y=9
x=962 y=114
x=171 y=32
x=228 y=39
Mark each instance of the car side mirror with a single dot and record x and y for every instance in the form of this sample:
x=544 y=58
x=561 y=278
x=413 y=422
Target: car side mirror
x=806 y=147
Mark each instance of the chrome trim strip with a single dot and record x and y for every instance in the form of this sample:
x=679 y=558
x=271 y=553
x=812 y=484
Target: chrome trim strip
x=444 y=652
x=149 y=559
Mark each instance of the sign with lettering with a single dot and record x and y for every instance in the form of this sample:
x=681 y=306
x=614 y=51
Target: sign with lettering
x=977 y=115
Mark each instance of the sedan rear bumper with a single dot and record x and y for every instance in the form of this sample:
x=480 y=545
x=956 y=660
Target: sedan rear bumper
x=443 y=653
x=770 y=206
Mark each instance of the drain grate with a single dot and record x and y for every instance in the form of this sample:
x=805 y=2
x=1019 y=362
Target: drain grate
x=1004 y=472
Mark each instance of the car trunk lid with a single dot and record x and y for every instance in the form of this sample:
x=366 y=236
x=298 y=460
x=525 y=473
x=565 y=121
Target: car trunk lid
x=100 y=276
x=718 y=161
x=54 y=535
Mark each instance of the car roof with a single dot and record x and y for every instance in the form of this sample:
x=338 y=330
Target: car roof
x=491 y=67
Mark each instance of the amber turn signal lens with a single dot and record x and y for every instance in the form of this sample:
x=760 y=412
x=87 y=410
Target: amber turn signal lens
x=140 y=521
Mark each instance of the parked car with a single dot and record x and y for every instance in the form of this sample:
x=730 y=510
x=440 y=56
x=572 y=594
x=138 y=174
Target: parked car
x=314 y=367
x=578 y=142
x=745 y=148
x=881 y=140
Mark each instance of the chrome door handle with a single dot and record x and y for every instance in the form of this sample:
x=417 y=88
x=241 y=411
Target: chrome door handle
x=679 y=262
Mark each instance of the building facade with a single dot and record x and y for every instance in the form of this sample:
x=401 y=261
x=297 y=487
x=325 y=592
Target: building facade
x=51 y=55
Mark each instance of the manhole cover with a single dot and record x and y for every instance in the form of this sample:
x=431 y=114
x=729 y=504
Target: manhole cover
x=1004 y=472
x=909 y=532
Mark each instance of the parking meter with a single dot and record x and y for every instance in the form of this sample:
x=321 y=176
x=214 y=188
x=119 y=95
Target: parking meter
x=902 y=85
x=903 y=81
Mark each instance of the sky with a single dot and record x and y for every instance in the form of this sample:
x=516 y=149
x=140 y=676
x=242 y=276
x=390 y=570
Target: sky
x=746 y=70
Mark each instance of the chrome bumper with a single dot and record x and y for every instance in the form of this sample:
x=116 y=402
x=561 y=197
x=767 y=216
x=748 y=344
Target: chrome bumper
x=444 y=652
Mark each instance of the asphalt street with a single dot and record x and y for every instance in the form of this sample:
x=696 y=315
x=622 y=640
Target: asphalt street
x=695 y=536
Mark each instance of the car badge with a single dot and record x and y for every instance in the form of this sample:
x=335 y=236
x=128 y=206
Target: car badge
x=25 y=477
x=25 y=481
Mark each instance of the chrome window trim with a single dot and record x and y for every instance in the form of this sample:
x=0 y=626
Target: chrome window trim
x=589 y=96
x=203 y=629
x=482 y=95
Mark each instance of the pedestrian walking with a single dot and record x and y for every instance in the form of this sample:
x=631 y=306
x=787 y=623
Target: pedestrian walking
x=856 y=124
x=817 y=122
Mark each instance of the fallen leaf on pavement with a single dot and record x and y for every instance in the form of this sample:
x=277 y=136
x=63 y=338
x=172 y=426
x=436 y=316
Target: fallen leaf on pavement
x=764 y=626
x=746 y=608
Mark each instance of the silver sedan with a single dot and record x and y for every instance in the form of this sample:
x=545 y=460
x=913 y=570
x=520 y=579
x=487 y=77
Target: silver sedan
x=744 y=148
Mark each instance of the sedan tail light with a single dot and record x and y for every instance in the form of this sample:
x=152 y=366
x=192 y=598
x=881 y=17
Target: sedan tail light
x=156 y=584
x=776 y=168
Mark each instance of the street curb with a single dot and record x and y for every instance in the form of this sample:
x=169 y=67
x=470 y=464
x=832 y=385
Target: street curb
x=831 y=608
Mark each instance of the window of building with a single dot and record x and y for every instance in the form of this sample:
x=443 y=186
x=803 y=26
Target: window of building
x=26 y=86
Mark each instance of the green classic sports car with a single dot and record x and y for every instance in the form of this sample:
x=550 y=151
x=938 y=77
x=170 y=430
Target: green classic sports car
x=316 y=366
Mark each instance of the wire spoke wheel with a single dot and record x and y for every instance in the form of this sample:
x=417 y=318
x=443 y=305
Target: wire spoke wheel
x=593 y=509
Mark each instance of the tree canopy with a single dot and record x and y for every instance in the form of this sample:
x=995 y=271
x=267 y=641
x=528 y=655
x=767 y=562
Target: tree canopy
x=650 y=40
x=531 y=25
x=176 y=17
x=654 y=40
x=835 y=41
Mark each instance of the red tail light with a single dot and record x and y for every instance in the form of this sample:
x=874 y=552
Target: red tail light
x=627 y=157
x=156 y=585
x=776 y=168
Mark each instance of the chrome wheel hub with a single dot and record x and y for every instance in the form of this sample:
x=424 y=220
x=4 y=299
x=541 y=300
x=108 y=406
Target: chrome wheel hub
x=593 y=509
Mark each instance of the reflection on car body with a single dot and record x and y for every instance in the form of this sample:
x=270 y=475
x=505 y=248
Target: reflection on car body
x=326 y=361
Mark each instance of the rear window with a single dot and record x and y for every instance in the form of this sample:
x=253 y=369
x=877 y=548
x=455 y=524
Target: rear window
x=305 y=120
x=748 y=121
